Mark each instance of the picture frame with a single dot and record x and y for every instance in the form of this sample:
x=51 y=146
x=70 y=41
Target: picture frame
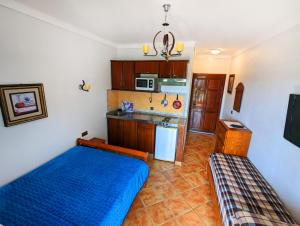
x=238 y=97
x=22 y=103
x=230 y=83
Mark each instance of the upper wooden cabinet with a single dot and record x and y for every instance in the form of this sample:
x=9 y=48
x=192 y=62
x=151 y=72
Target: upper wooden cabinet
x=146 y=67
x=116 y=75
x=122 y=75
x=173 y=69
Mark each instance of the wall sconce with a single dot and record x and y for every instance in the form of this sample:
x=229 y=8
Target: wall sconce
x=85 y=86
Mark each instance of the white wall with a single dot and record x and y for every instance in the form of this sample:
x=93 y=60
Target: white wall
x=211 y=64
x=270 y=72
x=32 y=51
x=204 y=63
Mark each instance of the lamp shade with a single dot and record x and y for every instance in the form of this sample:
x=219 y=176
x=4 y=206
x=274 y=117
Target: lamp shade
x=179 y=47
x=146 y=49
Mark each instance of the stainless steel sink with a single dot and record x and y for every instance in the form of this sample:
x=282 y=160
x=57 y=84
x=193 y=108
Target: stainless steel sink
x=119 y=113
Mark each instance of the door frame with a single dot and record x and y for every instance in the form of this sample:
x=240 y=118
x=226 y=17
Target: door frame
x=210 y=75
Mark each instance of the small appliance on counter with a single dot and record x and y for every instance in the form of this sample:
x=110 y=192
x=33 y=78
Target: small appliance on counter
x=146 y=82
x=127 y=106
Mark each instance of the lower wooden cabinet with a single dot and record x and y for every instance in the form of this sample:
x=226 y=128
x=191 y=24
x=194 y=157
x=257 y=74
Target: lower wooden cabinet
x=115 y=131
x=232 y=141
x=146 y=137
x=131 y=134
x=129 y=131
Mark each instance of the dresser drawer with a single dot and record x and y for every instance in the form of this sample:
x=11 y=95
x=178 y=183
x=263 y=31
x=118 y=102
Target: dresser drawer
x=231 y=140
x=220 y=131
x=219 y=146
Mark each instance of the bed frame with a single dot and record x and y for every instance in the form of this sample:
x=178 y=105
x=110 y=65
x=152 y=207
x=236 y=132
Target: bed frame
x=94 y=143
x=214 y=196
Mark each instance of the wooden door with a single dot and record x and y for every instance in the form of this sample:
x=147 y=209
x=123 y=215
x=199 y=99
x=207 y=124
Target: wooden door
x=206 y=100
x=129 y=134
x=147 y=67
x=128 y=78
x=145 y=137
x=197 y=103
x=179 y=69
x=116 y=75
x=115 y=131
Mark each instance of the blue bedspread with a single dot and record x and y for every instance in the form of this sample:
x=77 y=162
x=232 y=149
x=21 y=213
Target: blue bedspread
x=83 y=186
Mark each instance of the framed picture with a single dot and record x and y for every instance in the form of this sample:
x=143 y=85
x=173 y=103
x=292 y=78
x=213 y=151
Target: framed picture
x=238 y=97
x=22 y=103
x=230 y=83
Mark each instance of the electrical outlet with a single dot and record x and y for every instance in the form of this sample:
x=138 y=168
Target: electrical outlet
x=84 y=133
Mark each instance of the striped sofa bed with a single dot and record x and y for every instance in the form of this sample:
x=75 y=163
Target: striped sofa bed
x=244 y=196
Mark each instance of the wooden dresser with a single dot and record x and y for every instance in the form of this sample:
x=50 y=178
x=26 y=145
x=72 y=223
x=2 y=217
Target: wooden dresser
x=232 y=141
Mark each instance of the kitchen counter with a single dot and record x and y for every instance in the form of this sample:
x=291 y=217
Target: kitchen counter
x=156 y=119
x=140 y=134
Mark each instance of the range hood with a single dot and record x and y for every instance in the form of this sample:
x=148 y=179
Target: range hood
x=172 y=85
x=171 y=82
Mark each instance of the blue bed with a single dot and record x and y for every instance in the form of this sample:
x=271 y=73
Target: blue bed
x=83 y=186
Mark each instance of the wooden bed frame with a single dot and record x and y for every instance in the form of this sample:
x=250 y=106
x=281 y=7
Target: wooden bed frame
x=99 y=144
x=214 y=196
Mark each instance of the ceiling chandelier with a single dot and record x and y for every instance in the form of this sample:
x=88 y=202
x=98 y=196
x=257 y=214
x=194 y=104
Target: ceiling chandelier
x=168 y=41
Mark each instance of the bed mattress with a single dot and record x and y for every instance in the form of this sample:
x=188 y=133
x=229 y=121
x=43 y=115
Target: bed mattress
x=244 y=196
x=83 y=186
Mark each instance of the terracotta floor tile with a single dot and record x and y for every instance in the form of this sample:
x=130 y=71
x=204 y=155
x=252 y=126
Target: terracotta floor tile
x=162 y=165
x=205 y=190
x=190 y=219
x=172 y=192
x=172 y=174
x=193 y=198
x=210 y=221
x=159 y=213
x=177 y=205
x=156 y=179
x=137 y=203
x=167 y=190
x=181 y=185
x=186 y=169
x=139 y=217
x=192 y=157
x=205 y=210
x=170 y=223
x=195 y=179
x=150 y=196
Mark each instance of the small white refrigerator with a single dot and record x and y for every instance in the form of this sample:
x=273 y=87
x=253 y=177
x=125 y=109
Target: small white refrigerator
x=165 y=143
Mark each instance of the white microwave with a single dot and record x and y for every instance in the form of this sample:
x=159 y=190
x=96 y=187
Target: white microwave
x=145 y=84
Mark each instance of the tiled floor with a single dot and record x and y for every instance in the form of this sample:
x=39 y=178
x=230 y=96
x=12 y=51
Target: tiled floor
x=175 y=195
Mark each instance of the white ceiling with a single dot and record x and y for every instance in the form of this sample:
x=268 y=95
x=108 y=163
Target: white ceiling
x=232 y=25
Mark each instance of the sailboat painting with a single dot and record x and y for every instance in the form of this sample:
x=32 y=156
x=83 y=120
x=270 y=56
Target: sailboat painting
x=24 y=103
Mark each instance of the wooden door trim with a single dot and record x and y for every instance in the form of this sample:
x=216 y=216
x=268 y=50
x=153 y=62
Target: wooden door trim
x=207 y=76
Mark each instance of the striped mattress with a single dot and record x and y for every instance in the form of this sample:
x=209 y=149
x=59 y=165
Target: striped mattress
x=244 y=196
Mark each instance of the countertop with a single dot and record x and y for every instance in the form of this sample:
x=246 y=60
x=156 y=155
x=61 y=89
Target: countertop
x=148 y=118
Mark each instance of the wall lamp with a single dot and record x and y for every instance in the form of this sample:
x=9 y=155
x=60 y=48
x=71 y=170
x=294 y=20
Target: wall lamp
x=85 y=86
